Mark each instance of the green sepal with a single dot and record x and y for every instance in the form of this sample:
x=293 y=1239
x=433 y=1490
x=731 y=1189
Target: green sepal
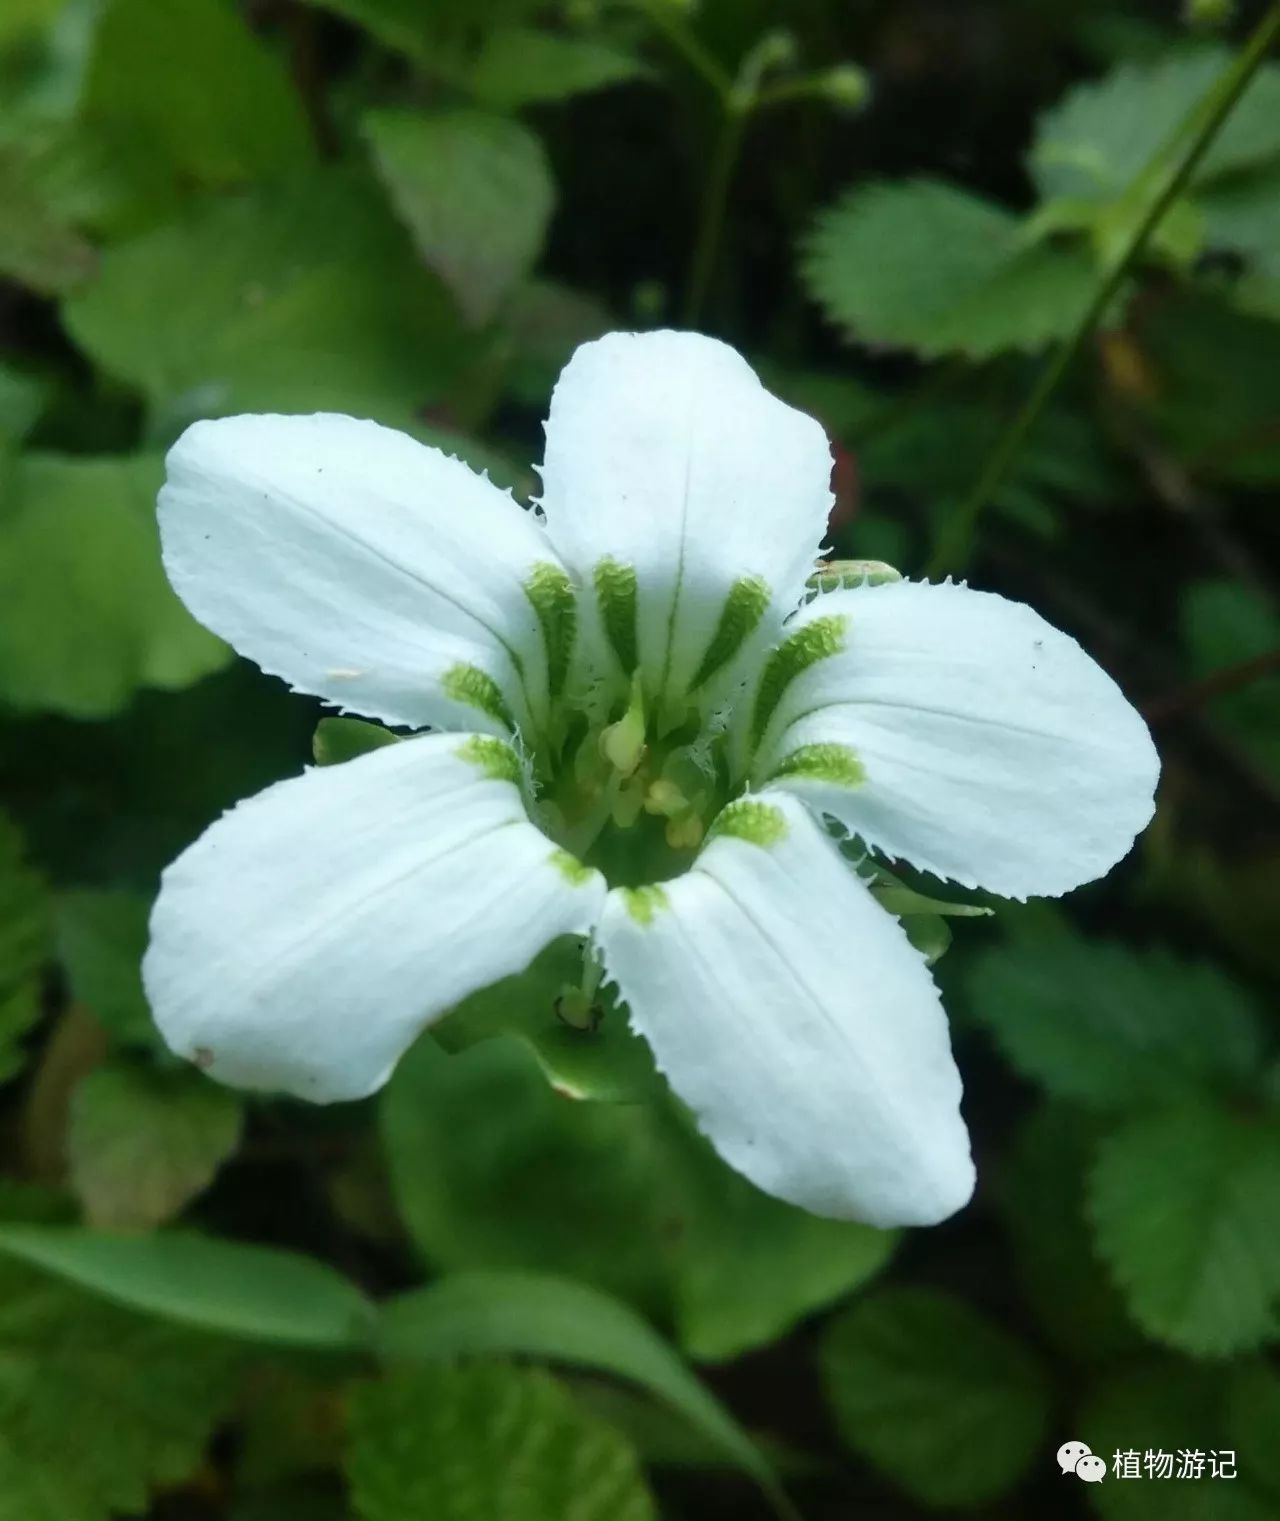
x=902 y=900
x=924 y=919
x=930 y=934
x=342 y=739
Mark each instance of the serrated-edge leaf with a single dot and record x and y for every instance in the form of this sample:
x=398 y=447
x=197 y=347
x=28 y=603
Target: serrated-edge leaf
x=935 y=1395
x=482 y=1441
x=1104 y=133
x=923 y=265
x=1185 y=1207
x=99 y=1407
x=1114 y=1027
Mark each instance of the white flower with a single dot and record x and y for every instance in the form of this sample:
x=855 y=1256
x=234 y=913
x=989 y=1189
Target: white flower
x=612 y=684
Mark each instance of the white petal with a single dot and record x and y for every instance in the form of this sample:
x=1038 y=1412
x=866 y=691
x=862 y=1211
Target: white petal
x=789 y=1011
x=995 y=751
x=667 y=457
x=358 y=564
x=309 y=935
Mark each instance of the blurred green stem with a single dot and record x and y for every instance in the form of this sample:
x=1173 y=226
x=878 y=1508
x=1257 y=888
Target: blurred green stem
x=736 y=104
x=668 y=20
x=1159 y=185
x=715 y=200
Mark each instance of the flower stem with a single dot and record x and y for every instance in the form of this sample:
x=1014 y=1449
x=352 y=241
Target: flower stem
x=1162 y=181
x=736 y=104
x=1228 y=679
x=667 y=20
x=715 y=200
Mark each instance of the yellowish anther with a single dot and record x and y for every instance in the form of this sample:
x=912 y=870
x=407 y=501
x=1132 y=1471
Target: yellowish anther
x=664 y=797
x=685 y=833
x=623 y=743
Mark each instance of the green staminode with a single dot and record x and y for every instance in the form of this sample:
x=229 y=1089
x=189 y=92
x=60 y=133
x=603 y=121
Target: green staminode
x=494 y=757
x=816 y=641
x=475 y=688
x=832 y=575
x=644 y=903
x=837 y=764
x=739 y=617
x=751 y=820
x=616 y=595
x=571 y=869
x=551 y=592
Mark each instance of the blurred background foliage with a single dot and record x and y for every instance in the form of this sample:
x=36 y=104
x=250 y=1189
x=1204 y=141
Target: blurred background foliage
x=484 y=1294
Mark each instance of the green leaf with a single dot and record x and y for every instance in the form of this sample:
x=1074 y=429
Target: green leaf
x=555 y=1186
x=748 y=1266
x=535 y=1315
x=22 y=19
x=426 y=32
x=492 y=1168
x=87 y=616
x=316 y=1501
x=142 y=1142
x=1185 y=1205
x=1213 y=398
x=476 y=193
x=661 y=1437
x=22 y=399
x=101 y=940
x=401 y=24
x=309 y=299
x=1243 y=214
x=1225 y=624
x=24 y=944
x=1112 y=1027
x=292 y=1418
x=1236 y=900
x=521 y=66
x=184 y=94
x=476 y=1443
x=1102 y=135
x=1041 y=1193
x=943 y=1401
x=39 y=247
x=342 y=739
x=1253 y=1418
x=926 y=266
x=1173 y=1406
x=256 y=1293
x=98 y=1407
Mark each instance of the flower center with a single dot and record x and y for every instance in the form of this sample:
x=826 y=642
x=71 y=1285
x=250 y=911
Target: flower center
x=632 y=795
x=629 y=781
